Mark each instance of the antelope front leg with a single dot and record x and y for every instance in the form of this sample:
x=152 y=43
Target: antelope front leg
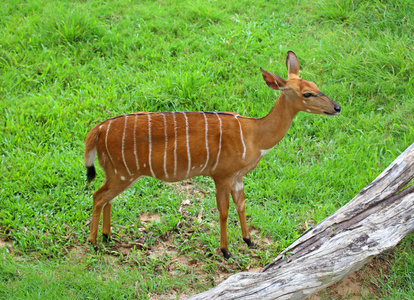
x=223 y=198
x=237 y=193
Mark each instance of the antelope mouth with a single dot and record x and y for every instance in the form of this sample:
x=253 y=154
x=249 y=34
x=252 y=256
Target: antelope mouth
x=331 y=114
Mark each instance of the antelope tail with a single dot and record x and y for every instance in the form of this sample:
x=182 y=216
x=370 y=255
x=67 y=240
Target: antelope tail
x=90 y=152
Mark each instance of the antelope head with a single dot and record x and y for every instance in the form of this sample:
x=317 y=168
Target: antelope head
x=305 y=95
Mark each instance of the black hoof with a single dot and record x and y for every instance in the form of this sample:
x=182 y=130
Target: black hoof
x=249 y=243
x=95 y=248
x=226 y=253
x=106 y=238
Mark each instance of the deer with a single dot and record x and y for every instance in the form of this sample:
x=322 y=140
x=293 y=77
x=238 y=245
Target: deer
x=175 y=146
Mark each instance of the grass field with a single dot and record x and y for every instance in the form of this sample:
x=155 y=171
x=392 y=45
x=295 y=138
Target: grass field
x=67 y=65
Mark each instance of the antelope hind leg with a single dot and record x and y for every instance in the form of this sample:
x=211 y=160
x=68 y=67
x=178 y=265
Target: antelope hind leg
x=223 y=198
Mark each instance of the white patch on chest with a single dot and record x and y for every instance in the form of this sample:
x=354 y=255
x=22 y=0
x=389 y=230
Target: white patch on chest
x=238 y=186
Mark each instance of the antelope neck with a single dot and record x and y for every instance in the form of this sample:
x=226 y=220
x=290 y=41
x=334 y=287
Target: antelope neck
x=274 y=126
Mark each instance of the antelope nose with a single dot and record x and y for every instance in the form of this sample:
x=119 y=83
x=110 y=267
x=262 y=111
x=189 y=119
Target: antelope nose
x=337 y=108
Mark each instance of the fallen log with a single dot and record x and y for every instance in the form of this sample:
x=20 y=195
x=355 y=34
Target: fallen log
x=372 y=222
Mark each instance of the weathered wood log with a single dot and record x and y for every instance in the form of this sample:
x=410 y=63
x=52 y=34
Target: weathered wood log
x=372 y=222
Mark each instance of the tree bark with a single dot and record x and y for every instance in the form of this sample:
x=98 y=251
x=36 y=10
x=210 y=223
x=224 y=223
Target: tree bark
x=372 y=222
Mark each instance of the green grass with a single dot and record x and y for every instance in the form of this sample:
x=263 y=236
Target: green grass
x=67 y=65
x=398 y=283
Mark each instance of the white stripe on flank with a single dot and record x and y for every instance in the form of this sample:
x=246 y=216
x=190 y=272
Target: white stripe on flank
x=221 y=136
x=188 y=144
x=166 y=145
x=135 y=142
x=106 y=145
x=206 y=138
x=150 y=145
x=123 y=147
x=241 y=137
x=175 y=146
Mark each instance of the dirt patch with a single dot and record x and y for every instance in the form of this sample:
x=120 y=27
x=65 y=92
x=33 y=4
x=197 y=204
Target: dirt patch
x=148 y=218
x=6 y=243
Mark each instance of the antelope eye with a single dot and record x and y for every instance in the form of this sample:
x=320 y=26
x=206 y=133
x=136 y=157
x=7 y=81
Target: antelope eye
x=307 y=95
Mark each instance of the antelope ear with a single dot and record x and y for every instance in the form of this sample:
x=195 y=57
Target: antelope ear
x=292 y=64
x=273 y=81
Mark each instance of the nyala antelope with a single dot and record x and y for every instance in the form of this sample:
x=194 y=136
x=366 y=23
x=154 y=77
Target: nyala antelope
x=173 y=146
